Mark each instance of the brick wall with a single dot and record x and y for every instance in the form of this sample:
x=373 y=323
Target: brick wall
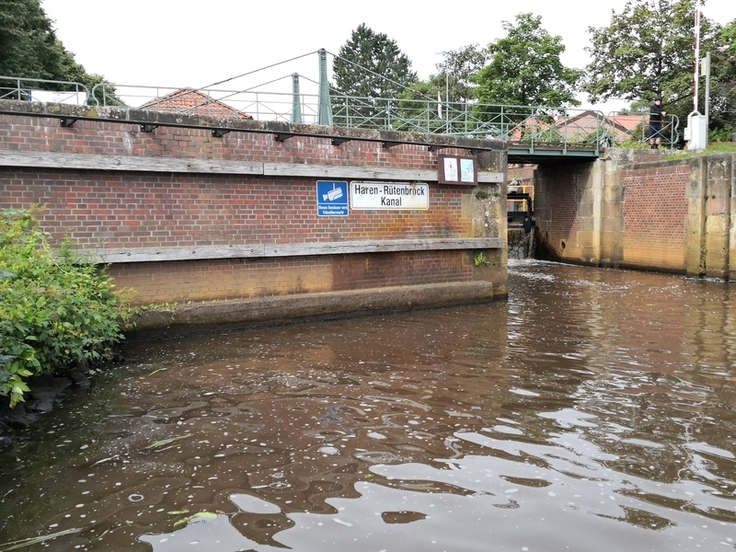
x=114 y=210
x=44 y=134
x=654 y=210
x=123 y=209
x=558 y=194
x=635 y=209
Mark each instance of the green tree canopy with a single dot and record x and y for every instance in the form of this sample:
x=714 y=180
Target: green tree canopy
x=646 y=51
x=30 y=49
x=723 y=68
x=525 y=68
x=455 y=77
x=372 y=67
x=432 y=102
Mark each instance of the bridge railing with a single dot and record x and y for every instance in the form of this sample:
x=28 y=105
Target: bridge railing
x=526 y=126
x=633 y=128
x=507 y=122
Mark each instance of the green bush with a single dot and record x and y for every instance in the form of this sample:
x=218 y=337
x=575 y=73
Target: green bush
x=723 y=134
x=57 y=310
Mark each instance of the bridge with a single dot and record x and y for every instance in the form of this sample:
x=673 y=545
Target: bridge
x=539 y=135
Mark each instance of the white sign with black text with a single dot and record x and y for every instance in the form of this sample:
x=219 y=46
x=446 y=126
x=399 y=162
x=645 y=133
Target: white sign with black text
x=370 y=196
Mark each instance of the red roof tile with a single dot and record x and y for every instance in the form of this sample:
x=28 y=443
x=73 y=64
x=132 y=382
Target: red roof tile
x=194 y=102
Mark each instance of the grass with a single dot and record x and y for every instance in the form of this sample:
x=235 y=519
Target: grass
x=721 y=147
x=712 y=149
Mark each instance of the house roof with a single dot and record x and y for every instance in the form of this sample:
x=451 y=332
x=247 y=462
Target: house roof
x=627 y=122
x=585 y=122
x=194 y=102
x=590 y=118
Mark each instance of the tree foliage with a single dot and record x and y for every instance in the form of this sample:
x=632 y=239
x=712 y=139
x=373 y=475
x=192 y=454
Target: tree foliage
x=431 y=103
x=30 y=49
x=370 y=66
x=525 y=68
x=455 y=77
x=646 y=51
x=723 y=66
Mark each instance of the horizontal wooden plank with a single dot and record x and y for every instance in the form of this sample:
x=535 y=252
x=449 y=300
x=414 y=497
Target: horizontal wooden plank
x=337 y=172
x=163 y=254
x=80 y=161
x=98 y=162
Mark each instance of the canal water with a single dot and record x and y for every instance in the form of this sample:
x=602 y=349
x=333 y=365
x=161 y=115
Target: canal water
x=595 y=410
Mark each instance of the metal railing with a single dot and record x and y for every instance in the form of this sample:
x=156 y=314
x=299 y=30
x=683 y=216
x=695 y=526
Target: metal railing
x=637 y=125
x=16 y=88
x=534 y=126
x=216 y=102
x=524 y=126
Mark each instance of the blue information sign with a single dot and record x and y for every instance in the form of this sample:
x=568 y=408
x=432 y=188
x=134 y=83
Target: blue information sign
x=332 y=198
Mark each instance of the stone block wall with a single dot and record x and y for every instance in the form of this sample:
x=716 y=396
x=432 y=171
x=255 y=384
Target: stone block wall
x=640 y=210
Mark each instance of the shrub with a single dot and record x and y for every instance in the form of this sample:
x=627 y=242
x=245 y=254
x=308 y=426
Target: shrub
x=57 y=310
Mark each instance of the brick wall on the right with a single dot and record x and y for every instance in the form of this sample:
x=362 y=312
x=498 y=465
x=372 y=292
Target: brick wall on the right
x=634 y=216
x=654 y=212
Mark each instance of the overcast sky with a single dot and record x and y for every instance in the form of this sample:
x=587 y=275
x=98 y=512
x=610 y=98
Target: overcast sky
x=174 y=43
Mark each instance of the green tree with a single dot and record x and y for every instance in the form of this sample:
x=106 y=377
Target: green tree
x=723 y=99
x=371 y=68
x=456 y=71
x=433 y=104
x=28 y=46
x=30 y=49
x=525 y=68
x=646 y=51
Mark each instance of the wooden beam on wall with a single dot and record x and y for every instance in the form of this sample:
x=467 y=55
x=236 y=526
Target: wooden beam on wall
x=244 y=251
x=96 y=162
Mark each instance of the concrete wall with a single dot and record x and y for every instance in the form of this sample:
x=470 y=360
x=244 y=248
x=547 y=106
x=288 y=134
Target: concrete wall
x=183 y=215
x=635 y=209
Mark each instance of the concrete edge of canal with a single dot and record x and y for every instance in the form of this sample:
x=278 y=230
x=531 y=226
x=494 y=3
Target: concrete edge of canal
x=202 y=318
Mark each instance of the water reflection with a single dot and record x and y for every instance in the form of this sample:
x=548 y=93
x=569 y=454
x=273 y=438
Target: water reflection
x=593 y=411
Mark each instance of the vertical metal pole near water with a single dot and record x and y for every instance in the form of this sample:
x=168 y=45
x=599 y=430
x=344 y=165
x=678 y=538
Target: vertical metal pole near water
x=705 y=70
x=325 y=106
x=296 y=106
x=697 y=55
x=696 y=133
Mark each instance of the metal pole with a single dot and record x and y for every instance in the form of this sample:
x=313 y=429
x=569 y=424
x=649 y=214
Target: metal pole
x=697 y=55
x=296 y=104
x=447 y=96
x=706 y=70
x=706 y=61
x=325 y=105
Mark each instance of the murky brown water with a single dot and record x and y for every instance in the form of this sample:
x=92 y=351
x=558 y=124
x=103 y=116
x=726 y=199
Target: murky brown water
x=595 y=410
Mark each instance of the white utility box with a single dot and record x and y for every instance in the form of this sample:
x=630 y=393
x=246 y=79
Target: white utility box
x=696 y=133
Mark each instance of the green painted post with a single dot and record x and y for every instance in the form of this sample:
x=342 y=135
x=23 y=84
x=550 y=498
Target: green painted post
x=296 y=106
x=325 y=106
